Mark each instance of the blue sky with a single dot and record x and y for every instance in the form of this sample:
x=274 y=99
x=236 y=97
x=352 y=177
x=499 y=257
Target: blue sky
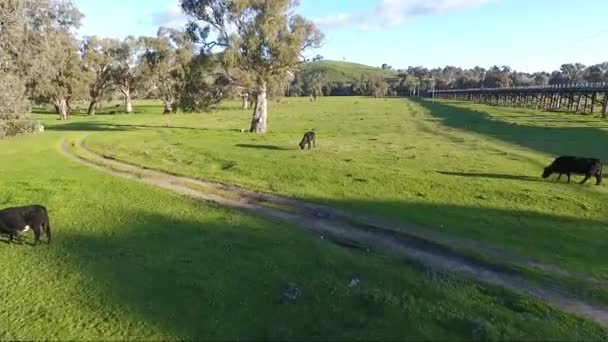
x=528 y=35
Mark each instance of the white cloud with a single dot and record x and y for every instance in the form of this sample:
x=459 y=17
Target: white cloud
x=172 y=16
x=334 y=20
x=395 y=12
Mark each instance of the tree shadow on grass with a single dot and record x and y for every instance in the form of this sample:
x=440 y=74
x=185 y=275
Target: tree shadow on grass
x=87 y=126
x=195 y=280
x=491 y=175
x=264 y=147
x=217 y=279
x=551 y=238
x=84 y=126
x=581 y=141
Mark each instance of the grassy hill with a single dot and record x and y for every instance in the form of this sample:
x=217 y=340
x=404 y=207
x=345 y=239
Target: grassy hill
x=338 y=71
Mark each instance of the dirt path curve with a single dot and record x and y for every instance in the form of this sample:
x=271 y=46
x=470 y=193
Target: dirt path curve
x=346 y=229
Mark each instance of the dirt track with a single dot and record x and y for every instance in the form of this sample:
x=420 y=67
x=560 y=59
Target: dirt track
x=412 y=242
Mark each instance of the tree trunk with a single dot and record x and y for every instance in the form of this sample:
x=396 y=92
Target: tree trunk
x=260 y=111
x=62 y=108
x=68 y=111
x=128 y=104
x=168 y=107
x=91 y=110
x=245 y=101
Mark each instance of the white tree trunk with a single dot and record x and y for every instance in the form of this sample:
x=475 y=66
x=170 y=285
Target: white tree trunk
x=245 y=101
x=260 y=111
x=128 y=104
x=168 y=107
x=92 y=105
x=62 y=108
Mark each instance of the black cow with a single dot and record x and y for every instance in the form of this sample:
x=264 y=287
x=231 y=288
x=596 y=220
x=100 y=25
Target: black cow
x=590 y=167
x=17 y=220
x=308 y=139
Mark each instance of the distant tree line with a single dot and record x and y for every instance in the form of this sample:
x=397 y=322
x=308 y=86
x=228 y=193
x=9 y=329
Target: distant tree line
x=413 y=80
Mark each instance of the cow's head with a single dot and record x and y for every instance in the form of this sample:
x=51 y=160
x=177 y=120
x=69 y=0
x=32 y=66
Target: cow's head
x=301 y=145
x=547 y=172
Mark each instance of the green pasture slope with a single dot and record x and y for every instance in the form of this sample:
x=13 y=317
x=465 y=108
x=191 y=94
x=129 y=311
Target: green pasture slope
x=339 y=71
x=468 y=170
x=130 y=261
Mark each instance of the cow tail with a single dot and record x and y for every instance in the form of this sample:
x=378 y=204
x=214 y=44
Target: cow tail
x=47 y=225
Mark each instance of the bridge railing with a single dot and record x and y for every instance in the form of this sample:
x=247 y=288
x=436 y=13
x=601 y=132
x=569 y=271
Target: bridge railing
x=582 y=86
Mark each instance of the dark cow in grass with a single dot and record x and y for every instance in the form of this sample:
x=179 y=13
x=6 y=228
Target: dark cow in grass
x=17 y=220
x=590 y=167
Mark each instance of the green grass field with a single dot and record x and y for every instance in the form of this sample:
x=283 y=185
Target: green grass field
x=130 y=261
x=467 y=170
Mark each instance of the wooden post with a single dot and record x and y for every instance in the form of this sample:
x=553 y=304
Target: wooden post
x=586 y=100
x=605 y=105
x=578 y=103
x=593 y=99
x=570 y=101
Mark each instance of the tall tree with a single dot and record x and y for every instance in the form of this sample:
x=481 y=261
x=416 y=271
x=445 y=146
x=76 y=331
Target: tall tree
x=164 y=61
x=55 y=67
x=39 y=40
x=202 y=86
x=261 y=37
x=313 y=84
x=59 y=76
x=125 y=73
x=573 y=71
x=13 y=100
x=595 y=73
x=558 y=77
x=98 y=58
x=377 y=85
x=541 y=79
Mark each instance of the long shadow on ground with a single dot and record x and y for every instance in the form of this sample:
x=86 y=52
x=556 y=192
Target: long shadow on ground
x=582 y=141
x=200 y=280
x=220 y=280
x=568 y=241
x=491 y=176
x=92 y=126
x=263 y=147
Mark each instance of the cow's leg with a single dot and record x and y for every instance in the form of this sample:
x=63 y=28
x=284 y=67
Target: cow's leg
x=568 y=176
x=309 y=145
x=36 y=230
x=314 y=144
x=587 y=176
x=560 y=176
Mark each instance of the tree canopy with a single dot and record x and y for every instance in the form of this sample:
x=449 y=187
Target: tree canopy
x=263 y=39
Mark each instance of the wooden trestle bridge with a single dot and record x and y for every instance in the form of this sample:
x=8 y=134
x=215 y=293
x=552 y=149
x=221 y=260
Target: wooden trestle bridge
x=583 y=98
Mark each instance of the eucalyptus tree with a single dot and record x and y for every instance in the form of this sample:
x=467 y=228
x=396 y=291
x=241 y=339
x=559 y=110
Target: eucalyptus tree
x=262 y=38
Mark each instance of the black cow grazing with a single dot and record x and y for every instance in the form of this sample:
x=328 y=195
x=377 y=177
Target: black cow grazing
x=309 y=138
x=590 y=167
x=17 y=220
